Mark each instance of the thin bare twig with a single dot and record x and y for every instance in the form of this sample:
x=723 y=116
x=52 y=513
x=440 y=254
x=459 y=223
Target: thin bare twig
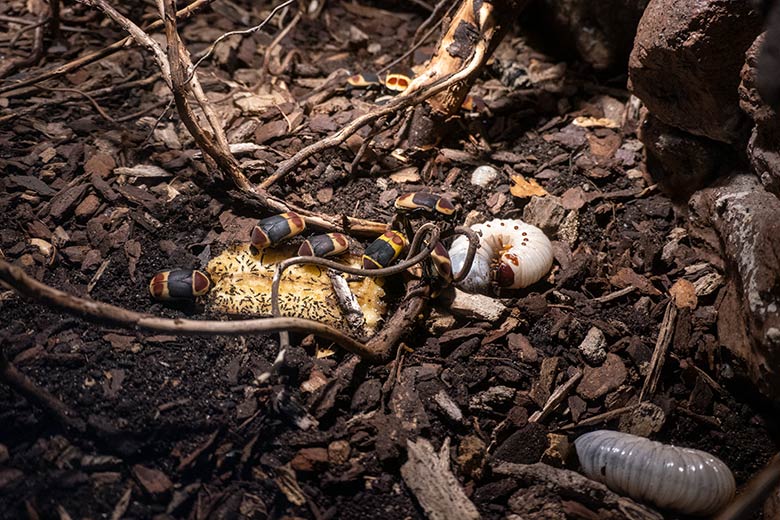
x=113 y=89
x=426 y=229
x=394 y=105
x=115 y=47
x=242 y=32
x=279 y=37
x=179 y=61
x=665 y=334
x=36 y=53
x=108 y=314
x=38 y=396
x=435 y=15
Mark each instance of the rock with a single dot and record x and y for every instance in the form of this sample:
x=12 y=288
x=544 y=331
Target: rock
x=525 y=446
x=602 y=33
x=741 y=221
x=338 y=452
x=476 y=306
x=153 y=481
x=686 y=61
x=472 y=456
x=680 y=162
x=310 y=459
x=762 y=149
x=559 y=451
x=525 y=351
x=645 y=420
x=448 y=406
x=596 y=382
x=492 y=399
x=546 y=213
x=593 y=347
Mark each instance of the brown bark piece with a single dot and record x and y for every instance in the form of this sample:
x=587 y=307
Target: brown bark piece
x=474 y=22
x=428 y=476
x=573 y=486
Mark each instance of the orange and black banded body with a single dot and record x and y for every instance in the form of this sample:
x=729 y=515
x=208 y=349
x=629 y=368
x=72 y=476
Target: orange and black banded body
x=271 y=231
x=179 y=284
x=330 y=244
x=395 y=82
x=474 y=104
x=441 y=261
x=382 y=251
x=364 y=80
x=425 y=201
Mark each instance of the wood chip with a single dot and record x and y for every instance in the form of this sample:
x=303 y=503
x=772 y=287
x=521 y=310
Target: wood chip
x=153 y=481
x=428 y=476
x=148 y=171
x=665 y=335
x=32 y=183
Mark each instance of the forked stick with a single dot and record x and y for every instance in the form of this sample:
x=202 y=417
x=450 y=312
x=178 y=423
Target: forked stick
x=108 y=314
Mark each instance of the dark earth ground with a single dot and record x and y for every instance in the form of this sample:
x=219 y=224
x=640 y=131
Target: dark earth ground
x=190 y=437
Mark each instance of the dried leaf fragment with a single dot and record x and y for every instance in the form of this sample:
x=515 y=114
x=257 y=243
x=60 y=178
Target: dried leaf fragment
x=524 y=188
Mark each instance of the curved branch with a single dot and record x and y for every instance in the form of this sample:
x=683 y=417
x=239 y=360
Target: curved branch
x=430 y=229
x=394 y=105
x=114 y=315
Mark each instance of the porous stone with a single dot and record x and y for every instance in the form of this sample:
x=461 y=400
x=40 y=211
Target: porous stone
x=596 y=382
x=645 y=420
x=681 y=162
x=602 y=33
x=593 y=347
x=740 y=220
x=763 y=148
x=525 y=446
x=546 y=213
x=686 y=61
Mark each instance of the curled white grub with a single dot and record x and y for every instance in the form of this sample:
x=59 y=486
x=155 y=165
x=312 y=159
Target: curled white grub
x=680 y=479
x=511 y=254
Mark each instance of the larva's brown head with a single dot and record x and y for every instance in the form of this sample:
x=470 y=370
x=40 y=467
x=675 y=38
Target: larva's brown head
x=504 y=275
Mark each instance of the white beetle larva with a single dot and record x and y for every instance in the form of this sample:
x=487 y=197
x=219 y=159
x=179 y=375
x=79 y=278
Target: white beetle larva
x=511 y=254
x=681 y=479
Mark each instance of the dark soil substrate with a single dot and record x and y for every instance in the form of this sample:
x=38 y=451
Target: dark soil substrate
x=179 y=429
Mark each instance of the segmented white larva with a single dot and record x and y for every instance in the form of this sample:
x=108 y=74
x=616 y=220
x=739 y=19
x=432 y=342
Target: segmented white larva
x=511 y=254
x=681 y=479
